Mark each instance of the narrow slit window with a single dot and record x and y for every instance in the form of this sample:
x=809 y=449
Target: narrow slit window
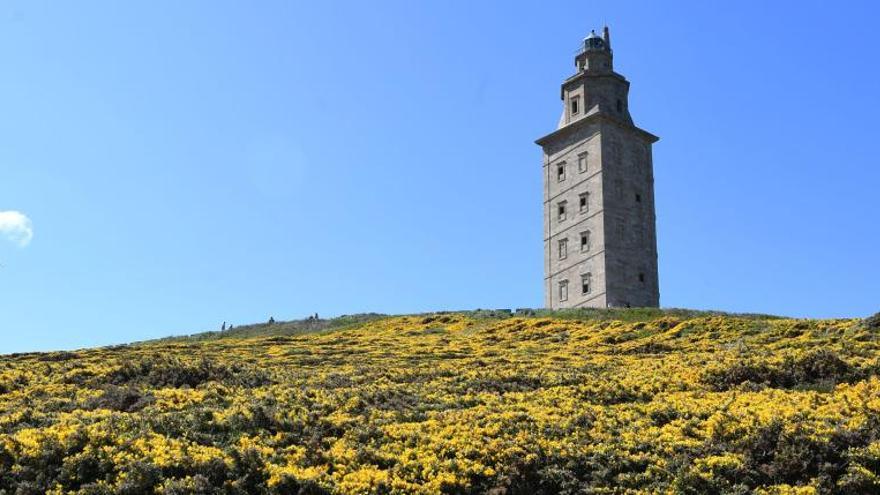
x=561 y=211
x=642 y=277
x=575 y=105
x=563 y=249
x=560 y=172
x=584 y=202
x=619 y=105
x=586 y=283
x=585 y=241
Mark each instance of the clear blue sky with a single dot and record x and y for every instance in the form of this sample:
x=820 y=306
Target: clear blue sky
x=188 y=163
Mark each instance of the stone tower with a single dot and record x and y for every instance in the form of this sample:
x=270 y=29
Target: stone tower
x=600 y=242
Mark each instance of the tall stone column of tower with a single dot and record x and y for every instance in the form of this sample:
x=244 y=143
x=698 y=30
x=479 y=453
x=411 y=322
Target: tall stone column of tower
x=600 y=242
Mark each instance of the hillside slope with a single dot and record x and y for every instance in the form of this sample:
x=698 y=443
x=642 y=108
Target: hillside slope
x=581 y=402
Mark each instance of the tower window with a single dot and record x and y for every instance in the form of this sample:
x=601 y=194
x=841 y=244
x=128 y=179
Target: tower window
x=586 y=283
x=585 y=241
x=619 y=105
x=575 y=103
x=561 y=210
x=563 y=249
x=584 y=202
x=560 y=172
x=638 y=198
x=582 y=162
x=642 y=277
x=563 y=290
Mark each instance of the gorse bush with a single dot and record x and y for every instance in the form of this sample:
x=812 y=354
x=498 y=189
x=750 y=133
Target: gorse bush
x=873 y=322
x=172 y=371
x=125 y=399
x=620 y=401
x=802 y=370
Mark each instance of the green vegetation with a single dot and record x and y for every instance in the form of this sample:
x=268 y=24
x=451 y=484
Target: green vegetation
x=488 y=401
x=294 y=327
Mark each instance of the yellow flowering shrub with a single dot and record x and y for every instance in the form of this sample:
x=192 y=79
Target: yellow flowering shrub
x=594 y=401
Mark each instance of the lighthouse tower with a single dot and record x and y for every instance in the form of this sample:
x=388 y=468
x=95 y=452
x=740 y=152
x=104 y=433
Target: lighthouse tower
x=600 y=241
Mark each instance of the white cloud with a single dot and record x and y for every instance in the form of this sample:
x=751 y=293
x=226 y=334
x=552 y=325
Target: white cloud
x=16 y=227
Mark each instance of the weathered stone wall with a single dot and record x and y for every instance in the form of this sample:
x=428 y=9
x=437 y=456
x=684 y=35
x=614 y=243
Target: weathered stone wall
x=631 y=254
x=621 y=258
x=586 y=143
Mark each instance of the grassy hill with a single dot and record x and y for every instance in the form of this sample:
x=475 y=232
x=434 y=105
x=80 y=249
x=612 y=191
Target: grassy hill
x=598 y=401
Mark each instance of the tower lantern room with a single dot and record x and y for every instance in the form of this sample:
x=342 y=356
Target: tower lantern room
x=595 y=53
